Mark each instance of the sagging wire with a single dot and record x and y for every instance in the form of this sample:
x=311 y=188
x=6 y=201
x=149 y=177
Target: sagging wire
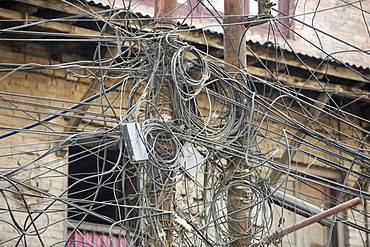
x=180 y=99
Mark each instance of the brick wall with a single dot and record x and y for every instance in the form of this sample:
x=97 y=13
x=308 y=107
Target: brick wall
x=337 y=23
x=344 y=23
x=20 y=153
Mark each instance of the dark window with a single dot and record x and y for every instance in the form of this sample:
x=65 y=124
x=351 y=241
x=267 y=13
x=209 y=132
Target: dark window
x=103 y=189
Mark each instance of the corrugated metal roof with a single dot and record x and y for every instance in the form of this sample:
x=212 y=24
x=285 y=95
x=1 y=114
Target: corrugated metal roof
x=256 y=44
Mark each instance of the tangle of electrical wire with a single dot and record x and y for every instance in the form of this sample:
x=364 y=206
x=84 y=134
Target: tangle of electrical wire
x=211 y=144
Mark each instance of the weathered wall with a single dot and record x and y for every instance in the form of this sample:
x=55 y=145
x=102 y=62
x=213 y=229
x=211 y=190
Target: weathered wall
x=340 y=30
x=346 y=24
x=24 y=153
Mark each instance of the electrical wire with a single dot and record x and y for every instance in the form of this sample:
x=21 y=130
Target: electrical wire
x=198 y=171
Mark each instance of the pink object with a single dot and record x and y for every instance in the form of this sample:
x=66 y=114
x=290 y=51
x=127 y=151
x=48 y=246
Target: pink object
x=96 y=239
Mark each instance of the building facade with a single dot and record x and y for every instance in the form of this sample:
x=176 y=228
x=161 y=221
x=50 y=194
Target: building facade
x=75 y=76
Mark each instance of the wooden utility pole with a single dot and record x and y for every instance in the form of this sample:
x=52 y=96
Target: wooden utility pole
x=161 y=197
x=164 y=14
x=235 y=55
x=234 y=41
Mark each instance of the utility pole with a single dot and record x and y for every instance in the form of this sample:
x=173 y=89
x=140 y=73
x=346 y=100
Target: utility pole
x=235 y=55
x=234 y=41
x=240 y=195
x=164 y=13
x=160 y=197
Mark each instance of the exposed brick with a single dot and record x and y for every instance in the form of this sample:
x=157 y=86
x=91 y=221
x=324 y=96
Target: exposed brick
x=324 y=4
x=27 y=90
x=62 y=83
x=37 y=60
x=17 y=82
x=39 y=79
x=71 y=78
x=35 y=46
x=79 y=87
x=34 y=49
x=54 y=91
x=361 y=40
x=12 y=55
x=85 y=80
x=49 y=72
x=59 y=73
x=18 y=74
x=4 y=82
x=345 y=23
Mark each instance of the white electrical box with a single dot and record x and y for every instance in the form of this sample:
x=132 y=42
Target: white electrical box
x=134 y=142
x=192 y=160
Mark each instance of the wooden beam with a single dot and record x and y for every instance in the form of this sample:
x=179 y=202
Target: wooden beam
x=164 y=11
x=63 y=6
x=298 y=82
x=314 y=66
x=24 y=8
x=55 y=26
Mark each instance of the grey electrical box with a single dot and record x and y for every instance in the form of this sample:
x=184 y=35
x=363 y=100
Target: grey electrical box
x=134 y=142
